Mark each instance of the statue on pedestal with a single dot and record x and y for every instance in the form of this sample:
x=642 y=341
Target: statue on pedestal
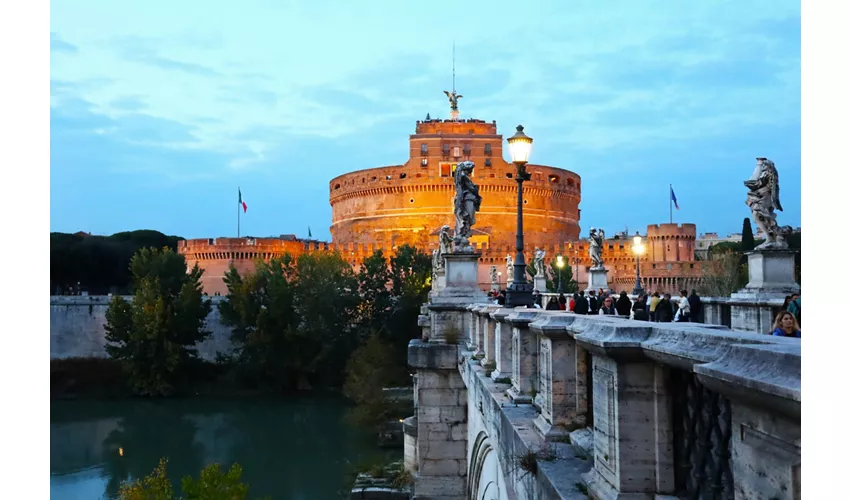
x=509 y=268
x=445 y=246
x=467 y=202
x=453 y=97
x=538 y=263
x=494 y=275
x=597 y=239
x=763 y=200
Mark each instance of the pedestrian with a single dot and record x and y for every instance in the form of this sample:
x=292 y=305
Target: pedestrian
x=582 y=306
x=653 y=305
x=664 y=310
x=562 y=302
x=684 y=313
x=608 y=307
x=639 y=311
x=624 y=305
x=696 y=307
x=592 y=303
x=786 y=325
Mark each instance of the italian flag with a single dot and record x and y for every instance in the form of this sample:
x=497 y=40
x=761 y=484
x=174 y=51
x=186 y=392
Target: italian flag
x=244 y=205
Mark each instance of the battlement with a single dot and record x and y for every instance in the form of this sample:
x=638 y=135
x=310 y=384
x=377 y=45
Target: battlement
x=683 y=230
x=455 y=127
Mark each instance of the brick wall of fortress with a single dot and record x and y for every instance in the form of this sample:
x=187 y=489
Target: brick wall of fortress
x=406 y=203
x=661 y=268
x=77 y=328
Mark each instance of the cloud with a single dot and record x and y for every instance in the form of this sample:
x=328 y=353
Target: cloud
x=264 y=89
x=59 y=45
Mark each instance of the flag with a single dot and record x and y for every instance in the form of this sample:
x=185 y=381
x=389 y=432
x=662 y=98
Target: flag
x=673 y=198
x=309 y=233
x=244 y=205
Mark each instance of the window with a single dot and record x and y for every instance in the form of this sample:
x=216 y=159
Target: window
x=402 y=175
x=423 y=150
x=336 y=186
x=509 y=175
x=456 y=152
x=411 y=200
x=424 y=162
x=389 y=177
x=488 y=150
x=445 y=149
x=554 y=178
x=488 y=163
x=467 y=149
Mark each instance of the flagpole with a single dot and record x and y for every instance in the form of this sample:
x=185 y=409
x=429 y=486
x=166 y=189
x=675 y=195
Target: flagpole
x=671 y=203
x=238 y=216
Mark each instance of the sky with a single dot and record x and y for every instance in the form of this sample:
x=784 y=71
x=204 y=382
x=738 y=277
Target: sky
x=161 y=110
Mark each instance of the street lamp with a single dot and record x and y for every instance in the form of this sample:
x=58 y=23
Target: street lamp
x=519 y=293
x=637 y=248
x=559 y=261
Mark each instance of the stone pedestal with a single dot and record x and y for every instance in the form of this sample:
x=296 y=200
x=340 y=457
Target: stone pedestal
x=441 y=421
x=597 y=278
x=540 y=284
x=633 y=439
x=771 y=274
x=503 y=333
x=450 y=319
x=562 y=377
x=523 y=356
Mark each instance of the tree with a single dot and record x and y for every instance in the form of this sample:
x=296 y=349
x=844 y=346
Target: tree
x=723 y=274
x=748 y=242
x=293 y=320
x=154 y=336
x=569 y=285
x=377 y=302
x=369 y=370
x=213 y=484
x=260 y=309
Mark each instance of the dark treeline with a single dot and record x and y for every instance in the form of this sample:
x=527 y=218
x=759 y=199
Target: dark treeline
x=99 y=264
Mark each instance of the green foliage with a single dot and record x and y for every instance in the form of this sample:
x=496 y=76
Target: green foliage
x=154 y=336
x=213 y=484
x=99 y=263
x=569 y=285
x=373 y=366
x=748 y=242
x=723 y=273
x=292 y=320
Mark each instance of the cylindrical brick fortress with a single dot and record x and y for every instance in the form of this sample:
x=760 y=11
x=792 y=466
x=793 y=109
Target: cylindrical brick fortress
x=409 y=203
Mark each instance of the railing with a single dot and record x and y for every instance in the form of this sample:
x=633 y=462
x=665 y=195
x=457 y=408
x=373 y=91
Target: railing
x=679 y=409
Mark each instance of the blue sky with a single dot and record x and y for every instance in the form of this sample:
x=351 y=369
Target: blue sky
x=159 y=110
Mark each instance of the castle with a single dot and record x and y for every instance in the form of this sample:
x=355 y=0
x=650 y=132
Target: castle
x=385 y=207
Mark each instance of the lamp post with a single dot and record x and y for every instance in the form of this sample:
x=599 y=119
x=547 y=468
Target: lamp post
x=637 y=248
x=559 y=261
x=519 y=293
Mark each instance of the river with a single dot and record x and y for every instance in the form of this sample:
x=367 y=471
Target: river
x=290 y=449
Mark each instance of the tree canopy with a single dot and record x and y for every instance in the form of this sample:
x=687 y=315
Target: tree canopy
x=99 y=263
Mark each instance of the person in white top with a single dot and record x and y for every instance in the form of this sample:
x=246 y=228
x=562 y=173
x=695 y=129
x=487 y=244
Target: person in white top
x=684 y=312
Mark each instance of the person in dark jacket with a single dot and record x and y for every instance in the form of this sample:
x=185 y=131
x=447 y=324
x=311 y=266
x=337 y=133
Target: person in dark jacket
x=501 y=298
x=624 y=305
x=608 y=307
x=581 y=306
x=592 y=303
x=696 y=307
x=640 y=309
x=562 y=302
x=664 y=310
x=552 y=305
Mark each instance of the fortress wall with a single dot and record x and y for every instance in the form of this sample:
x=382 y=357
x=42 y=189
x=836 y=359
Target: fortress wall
x=77 y=328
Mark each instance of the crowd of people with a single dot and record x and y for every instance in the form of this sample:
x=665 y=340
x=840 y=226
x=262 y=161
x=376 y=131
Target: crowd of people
x=657 y=307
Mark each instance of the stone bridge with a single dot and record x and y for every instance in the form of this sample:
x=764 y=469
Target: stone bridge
x=534 y=404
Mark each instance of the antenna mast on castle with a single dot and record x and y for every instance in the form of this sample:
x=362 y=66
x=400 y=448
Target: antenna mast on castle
x=453 y=96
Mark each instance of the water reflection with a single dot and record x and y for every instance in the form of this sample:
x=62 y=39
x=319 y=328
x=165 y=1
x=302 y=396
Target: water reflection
x=289 y=449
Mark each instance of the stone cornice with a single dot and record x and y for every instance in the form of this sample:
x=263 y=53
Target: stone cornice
x=766 y=375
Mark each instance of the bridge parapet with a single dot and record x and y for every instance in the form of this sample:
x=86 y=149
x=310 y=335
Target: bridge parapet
x=680 y=409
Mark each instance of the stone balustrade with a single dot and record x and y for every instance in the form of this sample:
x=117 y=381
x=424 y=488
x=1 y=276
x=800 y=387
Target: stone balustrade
x=661 y=409
x=748 y=315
